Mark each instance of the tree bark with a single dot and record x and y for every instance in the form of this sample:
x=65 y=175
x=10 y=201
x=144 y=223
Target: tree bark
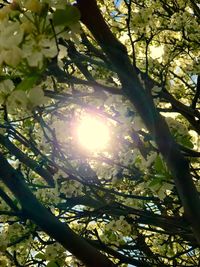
x=43 y=218
x=143 y=102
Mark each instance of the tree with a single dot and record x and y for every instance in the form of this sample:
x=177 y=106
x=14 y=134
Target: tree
x=133 y=65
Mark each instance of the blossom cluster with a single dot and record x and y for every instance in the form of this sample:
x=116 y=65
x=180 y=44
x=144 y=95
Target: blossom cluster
x=29 y=32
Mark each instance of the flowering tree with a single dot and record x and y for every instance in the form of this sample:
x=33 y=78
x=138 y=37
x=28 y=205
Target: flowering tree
x=133 y=65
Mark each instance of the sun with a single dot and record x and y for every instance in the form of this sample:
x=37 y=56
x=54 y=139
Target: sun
x=93 y=133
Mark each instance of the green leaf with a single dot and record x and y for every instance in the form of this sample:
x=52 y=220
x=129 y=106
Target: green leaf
x=186 y=142
x=52 y=264
x=28 y=82
x=155 y=181
x=158 y=165
x=40 y=256
x=66 y=17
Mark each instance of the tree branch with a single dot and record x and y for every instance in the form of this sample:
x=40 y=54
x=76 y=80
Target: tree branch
x=117 y=54
x=26 y=160
x=36 y=212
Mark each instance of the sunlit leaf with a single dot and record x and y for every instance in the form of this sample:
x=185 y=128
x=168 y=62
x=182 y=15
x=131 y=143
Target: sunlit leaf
x=52 y=264
x=68 y=16
x=40 y=256
x=28 y=82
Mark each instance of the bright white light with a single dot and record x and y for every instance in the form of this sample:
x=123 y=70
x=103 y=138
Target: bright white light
x=157 y=52
x=93 y=133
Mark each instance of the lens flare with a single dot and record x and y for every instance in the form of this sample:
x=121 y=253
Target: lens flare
x=93 y=133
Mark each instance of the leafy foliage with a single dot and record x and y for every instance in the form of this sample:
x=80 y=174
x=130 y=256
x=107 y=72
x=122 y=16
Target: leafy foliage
x=124 y=201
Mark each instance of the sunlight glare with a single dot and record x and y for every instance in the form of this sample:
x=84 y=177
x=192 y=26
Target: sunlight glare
x=93 y=133
x=157 y=52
